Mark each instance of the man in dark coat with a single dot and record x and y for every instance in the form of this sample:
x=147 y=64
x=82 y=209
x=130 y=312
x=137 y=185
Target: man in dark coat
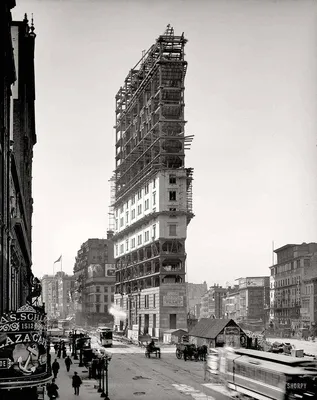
x=68 y=363
x=76 y=382
x=55 y=368
x=52 y=390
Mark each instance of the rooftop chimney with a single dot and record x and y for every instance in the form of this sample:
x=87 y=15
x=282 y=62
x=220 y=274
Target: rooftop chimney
x=109 y=234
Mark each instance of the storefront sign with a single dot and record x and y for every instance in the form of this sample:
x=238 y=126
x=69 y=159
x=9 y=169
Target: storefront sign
x=220 y=338
x=23 y=348
x=232 y=330
x=232 y=336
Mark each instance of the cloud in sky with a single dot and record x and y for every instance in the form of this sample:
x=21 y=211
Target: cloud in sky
x=250 y=102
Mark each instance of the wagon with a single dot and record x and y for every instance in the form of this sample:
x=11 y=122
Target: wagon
x=186 y=351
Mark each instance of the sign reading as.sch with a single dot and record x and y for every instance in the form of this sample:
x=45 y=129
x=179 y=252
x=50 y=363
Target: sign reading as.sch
x=23 y=348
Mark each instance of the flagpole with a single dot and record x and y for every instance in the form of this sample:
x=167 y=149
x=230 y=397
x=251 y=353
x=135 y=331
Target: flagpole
x=61 y=263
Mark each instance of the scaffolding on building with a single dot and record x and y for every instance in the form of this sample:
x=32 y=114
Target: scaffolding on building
x=111 y=217
x=150 y=121
x=150 y=140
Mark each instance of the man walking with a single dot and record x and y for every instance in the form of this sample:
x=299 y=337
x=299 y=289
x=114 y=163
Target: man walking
x=52 y=390
x=55 y=368
x=76 y=382
x=68 y=363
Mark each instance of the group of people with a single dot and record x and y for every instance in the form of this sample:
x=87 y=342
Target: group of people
x=52 y=388
x=60 y=349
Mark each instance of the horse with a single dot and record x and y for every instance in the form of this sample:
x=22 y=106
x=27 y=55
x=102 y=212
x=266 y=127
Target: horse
x=202 y=352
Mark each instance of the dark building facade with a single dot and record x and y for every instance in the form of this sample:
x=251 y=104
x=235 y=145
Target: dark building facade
x=7 y=79
x=24 y=364
x=17 y=140
x=94 y=282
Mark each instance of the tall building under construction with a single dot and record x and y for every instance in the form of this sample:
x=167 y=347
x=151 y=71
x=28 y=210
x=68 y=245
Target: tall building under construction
x=152 y=191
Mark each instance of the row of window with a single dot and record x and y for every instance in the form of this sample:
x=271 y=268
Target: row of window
x=105 y=289
x=136 y=301
x=139 y=239
x=126 y=220
x=283 y=292
x=105 y=298
x=101 y=309
x=138 y=196
x=290 y=266
x=294 y=280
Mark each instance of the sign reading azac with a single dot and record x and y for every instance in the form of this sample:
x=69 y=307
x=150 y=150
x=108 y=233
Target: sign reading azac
x=23 y=348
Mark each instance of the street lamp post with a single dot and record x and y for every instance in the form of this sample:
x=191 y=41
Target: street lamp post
x=75 y=347
x=73 y=342
x=81 y=364
x=107 y=361
x=99 y=374
x=103 y=380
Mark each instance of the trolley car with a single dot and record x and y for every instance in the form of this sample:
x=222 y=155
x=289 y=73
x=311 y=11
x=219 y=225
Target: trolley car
x=266 y=376
x=105 y=336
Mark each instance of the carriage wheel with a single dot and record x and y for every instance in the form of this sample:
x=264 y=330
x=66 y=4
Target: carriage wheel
x=178 y=354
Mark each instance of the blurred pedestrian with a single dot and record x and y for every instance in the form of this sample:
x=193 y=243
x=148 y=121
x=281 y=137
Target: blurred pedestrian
x=55 y=368
x=68 y=363
x=76 y=382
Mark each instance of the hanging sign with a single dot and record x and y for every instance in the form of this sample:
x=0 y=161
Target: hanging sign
x=23 y=348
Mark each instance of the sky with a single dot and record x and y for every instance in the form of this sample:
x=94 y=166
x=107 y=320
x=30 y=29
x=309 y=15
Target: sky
x=250 y=101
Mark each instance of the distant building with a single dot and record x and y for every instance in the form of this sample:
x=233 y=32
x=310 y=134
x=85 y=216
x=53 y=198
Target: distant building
x=197 y=308
x=194 y=293
x=254 y=299
x=65 y=284
x=94 y=272
x=309 y=296
x=212 y=302
x=50 y=295
x=231 y=303
x=292 y=285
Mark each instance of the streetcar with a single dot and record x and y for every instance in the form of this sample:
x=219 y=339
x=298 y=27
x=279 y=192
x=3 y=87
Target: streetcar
x=105 y=336
x=266 y=376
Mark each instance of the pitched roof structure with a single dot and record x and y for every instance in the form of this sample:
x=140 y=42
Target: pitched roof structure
x=210 y=328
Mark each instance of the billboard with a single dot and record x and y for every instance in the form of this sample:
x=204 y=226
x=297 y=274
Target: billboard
x=101 y=271
x=173 y=299
x=96 y=271
x=251 y=282
x=23 y=348
x=110 y=269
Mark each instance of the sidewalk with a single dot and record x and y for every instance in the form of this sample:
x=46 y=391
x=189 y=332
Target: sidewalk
x=64 y=381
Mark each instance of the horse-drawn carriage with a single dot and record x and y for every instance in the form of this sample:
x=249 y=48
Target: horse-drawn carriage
x=152 y=349
x=190 y=351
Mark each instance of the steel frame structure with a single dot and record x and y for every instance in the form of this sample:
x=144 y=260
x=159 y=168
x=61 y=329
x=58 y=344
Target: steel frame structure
x=150 y=139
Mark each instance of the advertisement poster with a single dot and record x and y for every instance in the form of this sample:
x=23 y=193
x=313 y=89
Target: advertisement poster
x=110 y=269
x=232 y=336
x=96 y=271
x=23 y=348
x=172 y=299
